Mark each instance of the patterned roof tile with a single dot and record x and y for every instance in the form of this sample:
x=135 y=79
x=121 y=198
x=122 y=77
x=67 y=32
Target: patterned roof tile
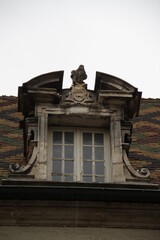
x=11 y=137
x=145 y=147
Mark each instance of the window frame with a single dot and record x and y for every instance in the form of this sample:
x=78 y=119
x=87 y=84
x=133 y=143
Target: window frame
x=78 y=152
x=93 y=160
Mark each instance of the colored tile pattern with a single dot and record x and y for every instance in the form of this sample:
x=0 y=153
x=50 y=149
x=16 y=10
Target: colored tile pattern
x=144 y=151
x=145 y=147
x=11 y=137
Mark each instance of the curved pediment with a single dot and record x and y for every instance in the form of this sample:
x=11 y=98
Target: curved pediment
x=52 y=80
x=109 y=90
x=113 y=90
x=43 y=88
x=111 y=83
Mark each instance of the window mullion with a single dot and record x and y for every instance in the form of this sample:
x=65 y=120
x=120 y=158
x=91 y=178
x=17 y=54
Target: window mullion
x=78 y=155
x=93 y=158
x=63 y=156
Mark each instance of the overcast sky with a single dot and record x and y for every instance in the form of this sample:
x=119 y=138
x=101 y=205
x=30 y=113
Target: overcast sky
x=118 y=37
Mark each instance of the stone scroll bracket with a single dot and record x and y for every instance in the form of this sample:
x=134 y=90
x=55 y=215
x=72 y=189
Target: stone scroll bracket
x=30 y=127
x=131 y=174
x=141 y=174
x=20 y=170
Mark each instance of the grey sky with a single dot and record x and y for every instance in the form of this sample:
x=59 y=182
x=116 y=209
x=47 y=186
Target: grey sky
x=119 y=37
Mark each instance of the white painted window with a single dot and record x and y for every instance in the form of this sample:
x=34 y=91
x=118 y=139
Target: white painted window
x=63 y=156
x=79 y=155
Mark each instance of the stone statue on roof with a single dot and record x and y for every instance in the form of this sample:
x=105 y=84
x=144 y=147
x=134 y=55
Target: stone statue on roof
x=79 y=75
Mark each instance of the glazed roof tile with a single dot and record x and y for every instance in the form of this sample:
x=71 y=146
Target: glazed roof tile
x=145 y=147
x=11 y=137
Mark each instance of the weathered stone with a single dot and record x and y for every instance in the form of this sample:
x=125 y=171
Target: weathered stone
x=109 y=107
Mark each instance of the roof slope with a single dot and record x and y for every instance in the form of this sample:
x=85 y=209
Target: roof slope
x=145 y=147
x=11 y=137
x=144 y=151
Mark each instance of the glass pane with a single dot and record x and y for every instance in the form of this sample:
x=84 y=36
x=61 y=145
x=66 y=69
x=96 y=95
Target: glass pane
x=87 y=179
x=57 y=151
x=99 y=167
x=56 y=178
x=98 y=138
x=68 y=178
x=87 y=167
x=68 y=152
x=69 y=138
x=99 y=153
x=68 y=167
x=87 y=153
x=57 y=137
x=99 y=179
x=57 y=166
x=87 y=138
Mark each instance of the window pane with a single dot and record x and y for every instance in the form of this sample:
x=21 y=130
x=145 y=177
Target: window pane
x=68 y=152
x=87 y=138
x=69 y=138
x=64 y=150
x=57 y=151
x=87 y=153
x=99 y=153
x=87 y=179
x=57 y=137
x=98 y=138
x=56 y=178
x=99 y=167
x=87 y=167
x=69 y=178
x=68 y=167
x=57 y=166
x=100 y=179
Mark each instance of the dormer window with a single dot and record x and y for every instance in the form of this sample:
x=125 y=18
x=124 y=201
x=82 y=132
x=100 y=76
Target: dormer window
x=76 y=134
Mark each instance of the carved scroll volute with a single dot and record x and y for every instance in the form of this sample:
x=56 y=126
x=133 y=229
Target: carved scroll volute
x=31 y=148
x=141 y=174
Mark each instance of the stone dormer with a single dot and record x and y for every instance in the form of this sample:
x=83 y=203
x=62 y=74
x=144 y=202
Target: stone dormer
x=77 y=134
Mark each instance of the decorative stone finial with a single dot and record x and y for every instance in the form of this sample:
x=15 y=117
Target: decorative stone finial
x=78 y=92
x=78 y=75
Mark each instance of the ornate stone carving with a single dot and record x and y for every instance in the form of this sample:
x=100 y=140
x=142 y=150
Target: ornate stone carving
x=78 y=92
x=143 y=173
x=17 y=169
x=78 y=75
x=31 y=148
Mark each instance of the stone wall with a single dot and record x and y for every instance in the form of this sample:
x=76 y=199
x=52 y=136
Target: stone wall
x=36 y=233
